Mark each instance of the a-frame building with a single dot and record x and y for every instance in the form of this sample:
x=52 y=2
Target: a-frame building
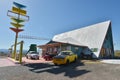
x=95 y=38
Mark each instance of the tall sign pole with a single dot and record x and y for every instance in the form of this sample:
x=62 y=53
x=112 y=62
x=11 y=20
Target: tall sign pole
x=18 y=16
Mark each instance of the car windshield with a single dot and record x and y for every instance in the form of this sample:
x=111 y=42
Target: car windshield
x=33 y=53
x=64 y=53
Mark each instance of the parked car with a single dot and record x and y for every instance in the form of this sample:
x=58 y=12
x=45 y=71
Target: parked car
x=32 y=55
x=86 y=56
x=49 y=56
x=64 y=57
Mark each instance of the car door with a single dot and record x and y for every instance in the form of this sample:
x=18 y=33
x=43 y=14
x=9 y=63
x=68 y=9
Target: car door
x=71 y=57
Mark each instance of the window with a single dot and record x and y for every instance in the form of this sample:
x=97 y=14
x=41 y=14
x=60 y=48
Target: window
x=94 y=49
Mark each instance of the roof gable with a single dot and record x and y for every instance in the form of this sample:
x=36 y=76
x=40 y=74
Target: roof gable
x=91 y=36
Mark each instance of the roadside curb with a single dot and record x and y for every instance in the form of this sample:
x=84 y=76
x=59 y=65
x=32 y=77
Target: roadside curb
x=91 y=61
x=111 y=61
x=12 y=60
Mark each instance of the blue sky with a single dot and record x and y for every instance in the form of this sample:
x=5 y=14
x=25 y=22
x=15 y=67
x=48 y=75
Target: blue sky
x=51 y=17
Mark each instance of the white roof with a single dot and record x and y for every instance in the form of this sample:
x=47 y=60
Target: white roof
x=70 y=40
x=91 y=36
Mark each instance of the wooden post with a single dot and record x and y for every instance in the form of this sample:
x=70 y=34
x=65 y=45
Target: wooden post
x=21 y=50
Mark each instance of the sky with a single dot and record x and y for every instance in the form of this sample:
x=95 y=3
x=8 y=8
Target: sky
x=51 y=17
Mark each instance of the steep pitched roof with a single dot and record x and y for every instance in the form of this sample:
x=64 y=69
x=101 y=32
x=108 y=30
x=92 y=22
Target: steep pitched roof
x=91 y=36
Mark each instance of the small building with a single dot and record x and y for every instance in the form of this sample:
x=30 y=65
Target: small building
x=94 y=39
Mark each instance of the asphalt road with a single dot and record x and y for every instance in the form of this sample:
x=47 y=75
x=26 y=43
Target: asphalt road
x=73 y=71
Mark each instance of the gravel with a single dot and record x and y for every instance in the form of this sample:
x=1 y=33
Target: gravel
x=73 y=71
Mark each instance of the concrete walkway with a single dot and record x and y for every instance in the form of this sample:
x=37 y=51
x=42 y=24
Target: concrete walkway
x=111 y=61
x=6 y=62
x=41 y=60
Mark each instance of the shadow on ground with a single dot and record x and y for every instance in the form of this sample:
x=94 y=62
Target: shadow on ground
x=70 y=70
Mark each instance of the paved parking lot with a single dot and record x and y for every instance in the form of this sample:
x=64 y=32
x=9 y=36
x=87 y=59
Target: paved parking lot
x=73 y=71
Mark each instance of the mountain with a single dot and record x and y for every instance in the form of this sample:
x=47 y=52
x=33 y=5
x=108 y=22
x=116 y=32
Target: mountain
x=6 y=51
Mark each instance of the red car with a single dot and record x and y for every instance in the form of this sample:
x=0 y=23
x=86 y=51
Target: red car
x=49 y=56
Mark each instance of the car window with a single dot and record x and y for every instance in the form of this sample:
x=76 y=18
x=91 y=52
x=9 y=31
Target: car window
x=65 y=53
x=71 y=53
x=33 y=53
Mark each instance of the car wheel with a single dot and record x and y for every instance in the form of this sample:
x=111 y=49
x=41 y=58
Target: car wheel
x=38 y=58
x=31 y=58
x=75 y=59
x=67 y=62
x=46 y=59
x=27 y=57
x=55 y=64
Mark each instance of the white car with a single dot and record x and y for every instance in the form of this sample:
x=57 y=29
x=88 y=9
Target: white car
x=32 y=55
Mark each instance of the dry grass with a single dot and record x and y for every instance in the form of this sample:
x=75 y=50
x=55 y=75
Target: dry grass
x=117 y=54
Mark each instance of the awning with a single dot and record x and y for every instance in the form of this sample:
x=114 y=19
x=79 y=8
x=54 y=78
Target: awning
x=50 y=45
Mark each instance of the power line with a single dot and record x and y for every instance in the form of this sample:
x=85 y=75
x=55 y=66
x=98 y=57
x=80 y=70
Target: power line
x=32 y=37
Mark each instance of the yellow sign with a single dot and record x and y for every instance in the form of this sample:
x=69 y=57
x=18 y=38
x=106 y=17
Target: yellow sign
x=19 y=11
x=17 y=25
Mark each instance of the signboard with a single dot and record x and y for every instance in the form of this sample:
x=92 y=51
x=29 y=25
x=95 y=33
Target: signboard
x=19 y=11
x=16 y=30
x=18 y=20
x=19 y=5
x=17 y=25
x=15 y=15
